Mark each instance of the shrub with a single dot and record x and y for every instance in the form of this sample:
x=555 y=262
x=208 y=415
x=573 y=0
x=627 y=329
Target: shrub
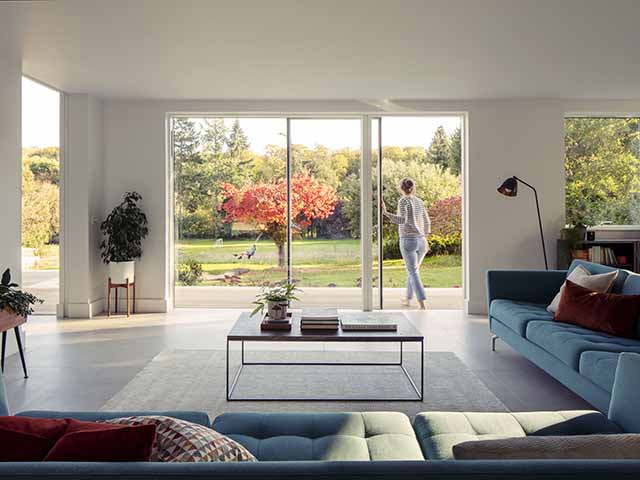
x=40 y=211
x=446 y=216
x=190 y=272
x=438 y=245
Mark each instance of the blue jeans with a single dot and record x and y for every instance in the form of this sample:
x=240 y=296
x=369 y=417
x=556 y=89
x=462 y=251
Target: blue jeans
x=413 y=251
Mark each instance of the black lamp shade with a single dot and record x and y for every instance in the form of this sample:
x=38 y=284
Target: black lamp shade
x=509 y=187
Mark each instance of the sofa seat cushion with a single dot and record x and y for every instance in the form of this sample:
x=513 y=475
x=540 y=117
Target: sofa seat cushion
x=600 y=368
x=566 y=342
x=516 y=315
x=438 y=432
x=322 y=436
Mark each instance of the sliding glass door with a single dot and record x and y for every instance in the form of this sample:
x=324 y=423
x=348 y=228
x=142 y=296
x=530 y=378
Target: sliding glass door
x=325 y=210
x=262 y=201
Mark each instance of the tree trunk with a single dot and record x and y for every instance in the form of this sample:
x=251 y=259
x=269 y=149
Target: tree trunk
x=281 y=255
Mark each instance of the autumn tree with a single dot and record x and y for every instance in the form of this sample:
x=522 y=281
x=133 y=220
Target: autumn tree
x=265 y=205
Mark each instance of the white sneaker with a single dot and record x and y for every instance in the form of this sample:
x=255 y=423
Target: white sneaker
x=405 y=302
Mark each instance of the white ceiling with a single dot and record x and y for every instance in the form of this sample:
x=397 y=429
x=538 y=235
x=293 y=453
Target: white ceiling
x=334 y=49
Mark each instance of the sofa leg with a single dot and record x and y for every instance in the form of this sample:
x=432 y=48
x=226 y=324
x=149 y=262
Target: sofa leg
x=493 y=342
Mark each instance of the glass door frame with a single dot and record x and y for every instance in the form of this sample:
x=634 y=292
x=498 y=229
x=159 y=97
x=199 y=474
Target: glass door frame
x=366 y=191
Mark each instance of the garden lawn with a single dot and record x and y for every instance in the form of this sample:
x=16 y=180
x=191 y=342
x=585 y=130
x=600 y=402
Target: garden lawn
x=317 y=263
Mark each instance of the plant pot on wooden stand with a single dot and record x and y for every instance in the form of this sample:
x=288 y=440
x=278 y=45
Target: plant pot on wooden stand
x=124 y=229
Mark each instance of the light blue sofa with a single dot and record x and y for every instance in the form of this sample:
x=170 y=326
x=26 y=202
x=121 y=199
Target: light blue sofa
x=583 y=360
x=309 y=446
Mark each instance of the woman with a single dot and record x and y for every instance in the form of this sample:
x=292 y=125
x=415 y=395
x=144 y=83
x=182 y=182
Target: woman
x=414 y=226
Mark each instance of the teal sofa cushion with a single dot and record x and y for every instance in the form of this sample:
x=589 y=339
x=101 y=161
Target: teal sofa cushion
x=322 y=436
x=516 y=315
x=596 y=268
x=600 y=368
x=438 y=432
x=566 y=342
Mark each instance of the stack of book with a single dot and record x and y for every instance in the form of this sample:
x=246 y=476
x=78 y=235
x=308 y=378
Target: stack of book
x=319 y=319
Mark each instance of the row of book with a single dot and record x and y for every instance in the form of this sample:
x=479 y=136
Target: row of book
x=603 y=255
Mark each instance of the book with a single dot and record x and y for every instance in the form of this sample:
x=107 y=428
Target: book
x=318 y=314
x=368 y=323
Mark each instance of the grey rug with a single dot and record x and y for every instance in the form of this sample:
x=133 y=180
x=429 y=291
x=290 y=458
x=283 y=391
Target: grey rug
x=195 y=380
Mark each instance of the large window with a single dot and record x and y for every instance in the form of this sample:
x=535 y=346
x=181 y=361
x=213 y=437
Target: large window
x=262 y=201
x=602 y=167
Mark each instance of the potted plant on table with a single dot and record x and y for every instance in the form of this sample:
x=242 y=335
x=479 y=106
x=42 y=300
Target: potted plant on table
x=14 y=302
x=124 y=229
x=276 y=300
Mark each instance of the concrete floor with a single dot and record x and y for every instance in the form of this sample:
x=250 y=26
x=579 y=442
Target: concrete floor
x=80 y=364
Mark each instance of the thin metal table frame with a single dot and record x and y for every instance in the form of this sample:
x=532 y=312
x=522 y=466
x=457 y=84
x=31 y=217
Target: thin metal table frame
x=400 y=363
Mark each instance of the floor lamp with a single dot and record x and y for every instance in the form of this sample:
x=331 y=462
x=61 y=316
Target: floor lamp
x=509 y=188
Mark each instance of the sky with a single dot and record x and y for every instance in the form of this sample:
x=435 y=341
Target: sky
x=41 y=124
x=341 y=133
x=40 y=115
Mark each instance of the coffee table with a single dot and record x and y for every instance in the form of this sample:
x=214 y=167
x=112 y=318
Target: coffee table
x=247 y=330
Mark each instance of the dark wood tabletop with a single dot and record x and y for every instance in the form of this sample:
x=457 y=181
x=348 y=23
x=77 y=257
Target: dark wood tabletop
x=248 y=328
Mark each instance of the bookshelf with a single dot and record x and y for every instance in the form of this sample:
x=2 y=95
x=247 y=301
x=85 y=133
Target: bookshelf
x=624 y=251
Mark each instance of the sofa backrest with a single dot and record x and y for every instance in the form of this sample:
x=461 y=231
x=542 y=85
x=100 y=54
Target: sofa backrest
x=4 y=403
x=623 y=409
x=596 y=268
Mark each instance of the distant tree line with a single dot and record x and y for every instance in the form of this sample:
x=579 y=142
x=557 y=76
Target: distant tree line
x=209 y=154
x=40 y=196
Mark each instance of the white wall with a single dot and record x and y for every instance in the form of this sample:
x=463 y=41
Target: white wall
x=506 y=137
x=10 y=154
x=83 y=198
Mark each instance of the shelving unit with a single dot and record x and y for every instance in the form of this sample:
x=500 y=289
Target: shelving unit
x=621 y=248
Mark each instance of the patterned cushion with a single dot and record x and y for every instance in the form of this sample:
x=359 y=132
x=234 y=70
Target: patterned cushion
x=182 y=441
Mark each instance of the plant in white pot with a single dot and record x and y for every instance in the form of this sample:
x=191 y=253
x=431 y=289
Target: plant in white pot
x=123 y=229
x=276 y=300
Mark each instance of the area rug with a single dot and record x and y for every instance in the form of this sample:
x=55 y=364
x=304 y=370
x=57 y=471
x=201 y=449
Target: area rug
x=195 y=380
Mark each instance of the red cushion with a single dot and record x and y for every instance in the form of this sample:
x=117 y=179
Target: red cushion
x=604 y=312
x=93 y=442
x=25 y=439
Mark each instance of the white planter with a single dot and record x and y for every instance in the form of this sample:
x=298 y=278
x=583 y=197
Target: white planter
x=119 y=272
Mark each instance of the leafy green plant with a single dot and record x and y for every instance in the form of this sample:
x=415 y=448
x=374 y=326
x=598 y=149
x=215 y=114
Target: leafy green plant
x=281 y=293
x=124 y=229
x=15 y=300
x=190 y=272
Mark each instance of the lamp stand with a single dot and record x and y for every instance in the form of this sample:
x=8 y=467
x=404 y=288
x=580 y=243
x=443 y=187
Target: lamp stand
x=535 y=193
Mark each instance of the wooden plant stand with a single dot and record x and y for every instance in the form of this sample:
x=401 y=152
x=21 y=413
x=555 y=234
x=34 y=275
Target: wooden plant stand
x=115 y=286
x=9 y=320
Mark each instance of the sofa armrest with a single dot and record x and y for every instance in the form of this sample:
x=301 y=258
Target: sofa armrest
x=535 y=286
x=623 y=409
x=201 y=418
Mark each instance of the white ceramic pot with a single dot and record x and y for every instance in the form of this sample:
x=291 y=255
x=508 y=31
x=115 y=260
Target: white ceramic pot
x=277 y=310
x=119 y=272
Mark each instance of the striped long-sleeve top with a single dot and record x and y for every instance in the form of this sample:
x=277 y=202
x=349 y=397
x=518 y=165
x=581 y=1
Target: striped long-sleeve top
x=412 y=218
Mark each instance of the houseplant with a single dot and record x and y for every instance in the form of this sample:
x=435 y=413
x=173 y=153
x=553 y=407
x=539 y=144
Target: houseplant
x=123 y=229
x=13 y=301
x=276 y=300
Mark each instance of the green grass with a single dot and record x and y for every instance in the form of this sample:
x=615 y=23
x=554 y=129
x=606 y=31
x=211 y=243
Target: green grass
x=317 y=263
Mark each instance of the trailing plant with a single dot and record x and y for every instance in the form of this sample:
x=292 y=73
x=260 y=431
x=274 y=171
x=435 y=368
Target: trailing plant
x=190 y=272
x=15 y=300
x=124 y=229
x=281 y=293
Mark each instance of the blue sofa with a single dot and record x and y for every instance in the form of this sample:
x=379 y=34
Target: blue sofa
x=339 y=446
x=583 y=360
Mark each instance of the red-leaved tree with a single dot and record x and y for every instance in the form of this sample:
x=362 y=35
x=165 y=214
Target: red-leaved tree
x=446 y=216
x=265 y=206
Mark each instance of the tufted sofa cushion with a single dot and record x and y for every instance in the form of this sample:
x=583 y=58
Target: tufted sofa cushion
x=600 y=368
x=516 y=315
x=438 y=432
x=322 y=436
x=566 y=342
